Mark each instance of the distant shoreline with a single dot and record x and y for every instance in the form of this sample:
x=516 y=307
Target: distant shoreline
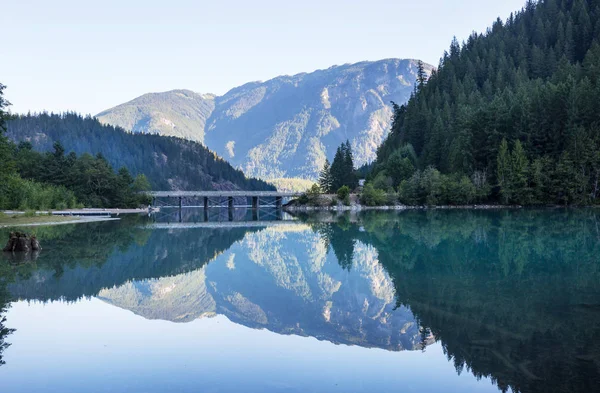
x=357 y=208
x=397 y=207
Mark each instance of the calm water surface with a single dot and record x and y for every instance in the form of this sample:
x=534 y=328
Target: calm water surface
x=414 y=301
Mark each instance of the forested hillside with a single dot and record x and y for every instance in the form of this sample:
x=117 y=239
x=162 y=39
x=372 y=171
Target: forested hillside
x=516 y=108
x=168 y=162
x=31 y=180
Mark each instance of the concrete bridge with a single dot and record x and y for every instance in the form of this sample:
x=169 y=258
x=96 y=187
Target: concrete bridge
x=217 y=198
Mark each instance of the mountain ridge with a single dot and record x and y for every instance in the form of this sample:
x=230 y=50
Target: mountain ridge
x=287 y=125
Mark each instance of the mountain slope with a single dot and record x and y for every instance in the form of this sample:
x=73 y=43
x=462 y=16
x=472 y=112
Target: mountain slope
x=169 y=163
x=287 y=126
x=180 y=113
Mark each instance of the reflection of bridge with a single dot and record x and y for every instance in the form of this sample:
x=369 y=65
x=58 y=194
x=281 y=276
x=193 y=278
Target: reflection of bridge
x=225 y=224
x=217 y=198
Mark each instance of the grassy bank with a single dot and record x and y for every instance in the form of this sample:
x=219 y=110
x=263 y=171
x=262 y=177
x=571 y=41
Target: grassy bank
x=8 y=220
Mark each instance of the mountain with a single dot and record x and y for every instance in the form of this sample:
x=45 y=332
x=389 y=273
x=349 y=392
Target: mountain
x=180 y=113
x=169 y=163
x=530 y=84
x=286 y=126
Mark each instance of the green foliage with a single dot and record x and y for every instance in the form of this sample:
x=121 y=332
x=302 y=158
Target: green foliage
x=91 y=180
x=167 y=162
x=532 y=84
x=372 y=196
x=18 y=193
x=430 y=187
x=312 y=196
x=383 y=182
x=401 y=164
x=342 y=168
x=343 y=194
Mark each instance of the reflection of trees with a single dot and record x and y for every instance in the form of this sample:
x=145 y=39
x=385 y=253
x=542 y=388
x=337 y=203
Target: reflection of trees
x=513 y=295
x=82 y=262
x=4 y=331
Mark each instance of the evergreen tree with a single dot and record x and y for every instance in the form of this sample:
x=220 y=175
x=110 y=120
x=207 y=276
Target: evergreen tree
x=325 y=179
x=504 y=173
x=519 y=174
x=421 y=75
x=533 y=79
x=349 y=177
x=164 y=160
x=338 y=168
x=6 y=165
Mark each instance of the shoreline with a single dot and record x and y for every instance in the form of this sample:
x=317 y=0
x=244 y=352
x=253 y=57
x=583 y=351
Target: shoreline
x=75 y=220
x=63 y=217
x=358 y=208
x=397 y=207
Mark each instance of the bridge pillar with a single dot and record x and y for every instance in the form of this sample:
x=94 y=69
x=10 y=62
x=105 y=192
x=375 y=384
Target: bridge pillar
x=205 y=203
x=278 y=202
x=255 y=202
x=180 y=202
x=230 y=202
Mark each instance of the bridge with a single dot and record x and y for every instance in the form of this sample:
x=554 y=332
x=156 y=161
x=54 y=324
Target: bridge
x=232 y=198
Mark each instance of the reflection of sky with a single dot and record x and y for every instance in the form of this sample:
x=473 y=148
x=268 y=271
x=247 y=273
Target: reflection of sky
x=90 y=346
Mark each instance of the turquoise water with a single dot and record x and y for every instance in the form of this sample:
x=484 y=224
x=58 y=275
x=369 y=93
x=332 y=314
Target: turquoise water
x=411 y=301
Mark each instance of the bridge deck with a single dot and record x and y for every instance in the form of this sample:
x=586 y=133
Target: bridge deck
x=222 y=194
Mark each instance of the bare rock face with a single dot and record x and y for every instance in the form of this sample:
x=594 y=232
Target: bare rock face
x=21 y=242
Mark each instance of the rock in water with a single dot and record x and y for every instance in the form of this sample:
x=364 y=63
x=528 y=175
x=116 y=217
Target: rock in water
x=35 y=244
x=12 y=242
x=21 y=242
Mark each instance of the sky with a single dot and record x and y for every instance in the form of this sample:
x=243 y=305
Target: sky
x=85 y=56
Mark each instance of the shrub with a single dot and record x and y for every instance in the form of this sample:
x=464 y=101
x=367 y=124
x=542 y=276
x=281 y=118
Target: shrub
x=372 y=196
x=433 y=188
x=343 y=193
x=29 y=195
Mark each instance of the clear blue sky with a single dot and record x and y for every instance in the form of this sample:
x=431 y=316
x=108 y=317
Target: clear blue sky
x=72 y=55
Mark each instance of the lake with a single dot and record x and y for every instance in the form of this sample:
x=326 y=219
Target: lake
x=407 y=301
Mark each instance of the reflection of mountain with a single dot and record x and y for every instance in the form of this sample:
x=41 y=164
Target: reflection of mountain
x=83 y=264
x=511 y=295
x=286 y=282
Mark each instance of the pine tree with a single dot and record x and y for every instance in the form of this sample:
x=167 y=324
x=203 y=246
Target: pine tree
x=6 y=165
x=325 y=179
x=519 y=172
x=337 y=169
x=504 y=172
x=421 y=75
x=350 y=179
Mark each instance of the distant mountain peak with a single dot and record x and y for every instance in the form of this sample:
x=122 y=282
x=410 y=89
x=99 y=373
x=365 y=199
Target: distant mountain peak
x=285 y=126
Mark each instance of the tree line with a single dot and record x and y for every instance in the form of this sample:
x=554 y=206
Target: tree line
x=168 y=162
x=340 y=173
x=53 y=180
x=510 y=116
